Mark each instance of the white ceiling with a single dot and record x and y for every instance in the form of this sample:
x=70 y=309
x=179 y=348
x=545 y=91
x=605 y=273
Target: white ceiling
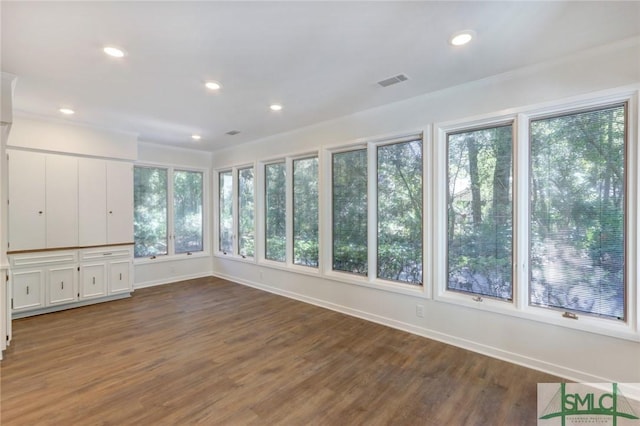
x=320 y=60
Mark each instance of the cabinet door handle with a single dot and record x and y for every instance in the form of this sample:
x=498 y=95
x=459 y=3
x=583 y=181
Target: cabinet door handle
x=27 y=289
x=110 y=211
x=40 y=212
x=62 y=285
x=120 y=276
x=94 y=280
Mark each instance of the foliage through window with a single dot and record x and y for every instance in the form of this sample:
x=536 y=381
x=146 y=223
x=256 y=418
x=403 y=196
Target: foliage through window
x=577 y=207
x=275 y=211
x=161 y=228
x=305 y=211
x=349 y=192
x=225 y=212
x=150 y=211
x=246 y=241
x=479 y=211
x=399 y=189
x=187 y=211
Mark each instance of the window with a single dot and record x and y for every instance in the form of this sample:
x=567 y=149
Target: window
x=187 y=211
x=154 y=216
x=225 y=212
x=349 y=203
x=479 y=211
x=275 y=211
x=399 y=211
x=577 y=208
x=246 y=226
x=150 y=211
x=305 y=211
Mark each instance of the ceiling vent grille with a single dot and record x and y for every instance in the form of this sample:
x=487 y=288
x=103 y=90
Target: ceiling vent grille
x=393 y=80
x=233 y=132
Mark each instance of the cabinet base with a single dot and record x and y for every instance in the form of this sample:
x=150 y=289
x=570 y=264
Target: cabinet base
x=63 y=307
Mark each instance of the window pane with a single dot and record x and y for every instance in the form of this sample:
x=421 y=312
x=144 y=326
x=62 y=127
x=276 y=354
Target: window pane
x=225 y=215
x=349 y=191
x=187 y=211
x=245 y=212
x=150 y=211
x=305 y=212
x=400 y=212
x=275 y=211
x=577 y=209
x=479 y=212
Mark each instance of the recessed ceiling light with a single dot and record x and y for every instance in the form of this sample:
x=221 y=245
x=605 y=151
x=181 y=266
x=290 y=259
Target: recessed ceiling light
x=275 y=107
x=66 y=111
x=213 y=85
x=461 y=37
x=196 y=137
x=113 y=51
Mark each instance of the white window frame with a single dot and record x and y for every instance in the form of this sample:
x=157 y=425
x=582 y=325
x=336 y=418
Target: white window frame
x=234 y=213
x=262 y=203
x=171 y=254
x=371 y=280
x=288 y=264
x=519 y=307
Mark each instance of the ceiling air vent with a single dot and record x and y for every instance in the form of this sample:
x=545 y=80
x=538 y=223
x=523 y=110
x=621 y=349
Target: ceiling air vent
x=393 y=80
x=233 y=132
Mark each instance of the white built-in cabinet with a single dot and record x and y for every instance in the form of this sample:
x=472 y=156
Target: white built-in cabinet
x=70 y=230
x=43 y=201
x=105 y=202
x=52 y=280
x=42 y=279
x=105 y=271
x=60 y=201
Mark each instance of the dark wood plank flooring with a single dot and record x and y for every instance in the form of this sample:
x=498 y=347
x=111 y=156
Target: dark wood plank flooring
x=212 y=352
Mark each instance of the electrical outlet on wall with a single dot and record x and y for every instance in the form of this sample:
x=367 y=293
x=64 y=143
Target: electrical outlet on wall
x=420 y=311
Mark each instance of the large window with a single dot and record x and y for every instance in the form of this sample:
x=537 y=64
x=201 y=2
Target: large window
x=275 y=211
x=225 y=212
x=399 y=196
x=349 y=202
x=187 y=211
x=479 y=211
x=162 y=227
x=246 y=241
x=305 y=211
x=577 y=207
x=150 y=211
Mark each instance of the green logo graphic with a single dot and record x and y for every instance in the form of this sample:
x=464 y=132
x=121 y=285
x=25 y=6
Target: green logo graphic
x=564 y=404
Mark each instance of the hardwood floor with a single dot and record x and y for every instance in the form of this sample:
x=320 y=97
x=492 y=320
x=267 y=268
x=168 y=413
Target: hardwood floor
x=211 y=352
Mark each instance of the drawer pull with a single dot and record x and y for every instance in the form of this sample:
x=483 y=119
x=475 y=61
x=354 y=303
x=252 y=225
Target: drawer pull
x=107 y=254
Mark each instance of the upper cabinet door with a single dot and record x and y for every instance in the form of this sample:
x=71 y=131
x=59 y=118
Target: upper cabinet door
x=61 y=201
x=119 y=202
x=92 y=192
x=27 y=209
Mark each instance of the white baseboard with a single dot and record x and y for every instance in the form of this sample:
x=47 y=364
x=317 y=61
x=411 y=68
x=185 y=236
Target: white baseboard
x=515 y=358
x=171 y=280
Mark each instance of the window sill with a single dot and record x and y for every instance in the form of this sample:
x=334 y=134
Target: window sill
x=170 y=258
x=235 y=257
x=378 y=284
x=600 y=326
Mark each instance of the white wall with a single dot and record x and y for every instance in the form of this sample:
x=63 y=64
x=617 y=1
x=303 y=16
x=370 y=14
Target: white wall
x=168 y=269
x=574 y=354
x=7 y=86
x=32 y=133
